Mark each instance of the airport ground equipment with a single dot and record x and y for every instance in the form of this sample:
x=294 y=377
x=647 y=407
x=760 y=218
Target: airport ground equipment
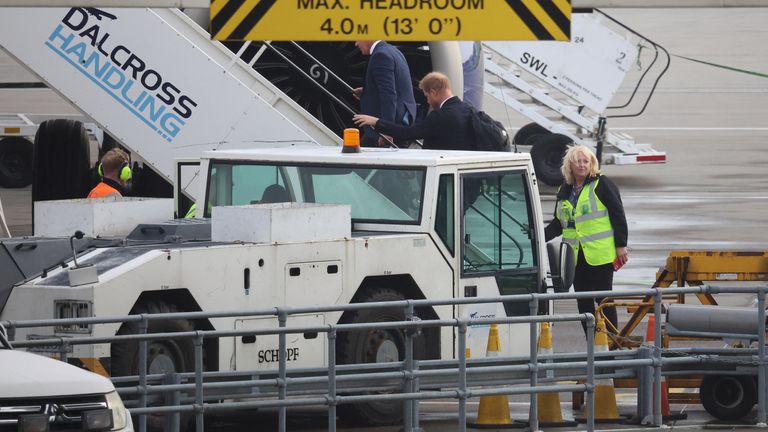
x=697 y=267
x=694 y=268
x=331 y=386
x=155 y=81
x=727 y=396
x=17 y=133
x=460 y=379
x=157 y=91
x=566 y=90
x=412 y=224
x=685 y=318
x=66 y=142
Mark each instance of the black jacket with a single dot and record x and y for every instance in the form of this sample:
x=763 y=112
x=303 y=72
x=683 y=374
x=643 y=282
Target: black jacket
x=608 y=193
x=447 y=128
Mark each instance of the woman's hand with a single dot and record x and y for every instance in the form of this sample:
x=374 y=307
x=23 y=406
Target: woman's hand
x=622 y=254
x=364 y=120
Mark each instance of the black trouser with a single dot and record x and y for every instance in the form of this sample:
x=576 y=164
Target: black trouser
x=593 y=278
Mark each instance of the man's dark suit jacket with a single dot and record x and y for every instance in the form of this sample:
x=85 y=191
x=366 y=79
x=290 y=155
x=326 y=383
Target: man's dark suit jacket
x=387 y=92
x=447 y=128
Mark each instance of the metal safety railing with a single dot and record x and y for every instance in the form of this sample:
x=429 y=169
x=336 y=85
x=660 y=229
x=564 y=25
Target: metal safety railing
x=409 y=380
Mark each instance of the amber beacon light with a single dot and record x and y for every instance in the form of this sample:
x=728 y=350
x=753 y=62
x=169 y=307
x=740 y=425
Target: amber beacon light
x=351 y=141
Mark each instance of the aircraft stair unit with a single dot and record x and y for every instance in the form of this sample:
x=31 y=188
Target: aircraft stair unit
x=565 y=90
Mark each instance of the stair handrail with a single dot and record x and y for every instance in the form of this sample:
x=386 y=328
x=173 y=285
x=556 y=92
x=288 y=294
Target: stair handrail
x=656 y=48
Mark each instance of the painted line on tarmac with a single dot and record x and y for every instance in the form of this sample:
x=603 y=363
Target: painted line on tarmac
x=697 y=90
x=477 y=403
x=730 y=195
x=691 y=128
x=688 y=244
x=630 y=399
x=676 y=128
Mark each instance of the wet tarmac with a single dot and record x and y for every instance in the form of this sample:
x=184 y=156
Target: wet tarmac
x=441 y=416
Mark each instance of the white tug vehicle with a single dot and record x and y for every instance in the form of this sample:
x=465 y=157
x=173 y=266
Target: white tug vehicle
x=302 y=226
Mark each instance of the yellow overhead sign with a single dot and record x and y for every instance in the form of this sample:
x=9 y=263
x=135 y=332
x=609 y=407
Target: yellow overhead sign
x=393 y=20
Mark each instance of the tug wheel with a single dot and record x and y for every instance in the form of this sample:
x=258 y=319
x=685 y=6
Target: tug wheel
x=163 y=355
x=374 y=346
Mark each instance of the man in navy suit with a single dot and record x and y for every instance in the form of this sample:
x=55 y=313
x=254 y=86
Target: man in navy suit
x=446 y=127
x=387 y=92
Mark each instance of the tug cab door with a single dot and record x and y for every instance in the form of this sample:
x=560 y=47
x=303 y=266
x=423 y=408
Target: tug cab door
x=497 y=252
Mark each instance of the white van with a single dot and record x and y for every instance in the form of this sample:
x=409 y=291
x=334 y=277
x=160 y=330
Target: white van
x=40 y=394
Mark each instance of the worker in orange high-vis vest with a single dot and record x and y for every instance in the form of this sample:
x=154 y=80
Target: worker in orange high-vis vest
x=115 y=171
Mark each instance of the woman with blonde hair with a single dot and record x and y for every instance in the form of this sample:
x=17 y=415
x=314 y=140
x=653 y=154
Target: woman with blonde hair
x=590 y=216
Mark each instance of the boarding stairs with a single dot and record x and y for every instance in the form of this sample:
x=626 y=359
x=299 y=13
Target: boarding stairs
x=555 y=111
x=568 y=108
x=229 y=104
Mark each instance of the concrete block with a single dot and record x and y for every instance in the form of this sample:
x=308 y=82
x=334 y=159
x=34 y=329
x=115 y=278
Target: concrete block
x=281 y=222
x=100 y=217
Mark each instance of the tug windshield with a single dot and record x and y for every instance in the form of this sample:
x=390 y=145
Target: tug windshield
x=376 y=194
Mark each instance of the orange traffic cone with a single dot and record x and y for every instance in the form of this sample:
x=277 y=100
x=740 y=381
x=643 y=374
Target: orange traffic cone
x=666 y=414
x=550 y=413
x=493 y=412
x=606 y=410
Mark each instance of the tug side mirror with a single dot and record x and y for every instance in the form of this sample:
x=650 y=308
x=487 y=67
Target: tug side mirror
x=567 y=266
x=562 y=265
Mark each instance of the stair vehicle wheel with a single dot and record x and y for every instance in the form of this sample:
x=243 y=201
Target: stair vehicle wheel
x=547 y=155
x=374 y=346
x=728 y=397
x=527 y=131
x=163 y=355
x=16 y=155
x=61 y=161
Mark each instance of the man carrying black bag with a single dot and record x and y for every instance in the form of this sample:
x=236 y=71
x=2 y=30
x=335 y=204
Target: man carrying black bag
x=451 y=125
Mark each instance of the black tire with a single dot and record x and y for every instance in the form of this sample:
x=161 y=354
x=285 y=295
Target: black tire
x=526 y=131
x=61 y=167
x=16 y=156
x=372 y=346
x=547 y=155
x=163 y=356
x=532 y=139
x=728 y=397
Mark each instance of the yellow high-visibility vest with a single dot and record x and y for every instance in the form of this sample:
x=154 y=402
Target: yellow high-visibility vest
x=588 y=226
